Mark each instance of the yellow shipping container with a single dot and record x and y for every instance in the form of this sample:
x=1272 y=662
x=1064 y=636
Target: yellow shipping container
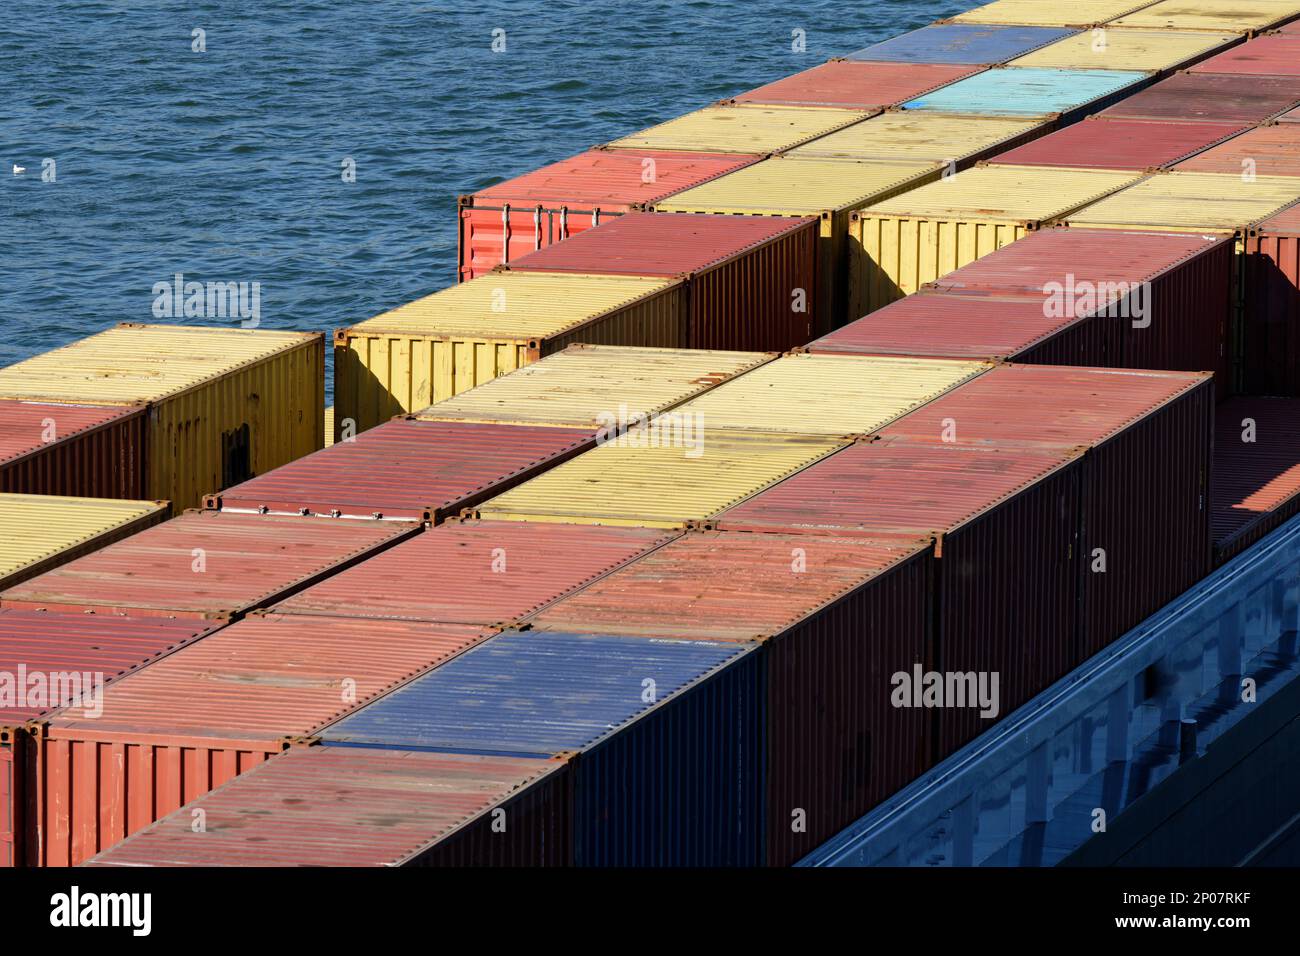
x=1191 y=202
x=831 y=189
x=596 y=386
x=1226 y=16
x=1157 y=51
x=224 y=404
x=329 y=425
x=1039 y=13
x=898 y=245
x=40 y=532
x=451 y=341
x=662 y=475
x=957 y=140
x=742 y=128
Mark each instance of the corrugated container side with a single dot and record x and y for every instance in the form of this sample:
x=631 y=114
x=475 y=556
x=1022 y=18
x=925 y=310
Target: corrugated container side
x=1271 y=318
x=75 y=450
x=962 y=43
x=1210 y=98
x=1256 y=482
x=1099 y=143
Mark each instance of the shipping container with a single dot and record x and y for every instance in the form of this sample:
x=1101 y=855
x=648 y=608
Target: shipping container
x=329 y=426
x=669 y=473
x=1146 y=474
x=1256 y=483
x=601 y=387
x=1290 y=116
x=1153 y=51
x=1210 y=98
x=84 y=451
x=211 y=565
x=448 y=342
x=1190 y=202
x=408 y=471
x=829 y=189
x=835 y=619
x=1292 y=27
x=476 y=572
x=349 y=806
x=955 y=139
x=742 y=273
x=62 y=659
x=961 y=43
x=1271 y=315
x=1136 y=145
x=199 y=717
x=1237 y=16
x=899 y=244
x=1267 y=55
x=626 y=708
x=741 y=129
x=503 y=222
x=1263 y=151
x=40 y=532
x=1033 y=91
x=850 y=85
x=1082 y=13
x=223 y=404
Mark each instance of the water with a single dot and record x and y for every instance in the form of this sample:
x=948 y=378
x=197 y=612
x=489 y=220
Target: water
x=225 y=165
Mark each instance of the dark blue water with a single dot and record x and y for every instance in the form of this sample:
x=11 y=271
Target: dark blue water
x=225 y=165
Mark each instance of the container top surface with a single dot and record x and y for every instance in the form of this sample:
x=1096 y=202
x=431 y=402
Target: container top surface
x=1017 y=193
x=265 y=678
x=727 y=586
x=845 y=83
x=481 y=572
x=827 y=395
x=1045 y=404
x=1290 y=116
x=612 y=178
x=658 y=244
x=1075 y=13
x=203 y=564
x=525 y=305
x=405 y=469
x=741 y=129
x=962 y=43
x=1265 y=150
x=1029 y=91
x=663 y=474
x=1251 y=478
x=1118 y=144
x=1180 y=200
x=1210 y=97
x=1286 y=222
x=793 y=186
x=35 y=528
x=1240 y=16
x=595 y=386
x=27 y=427
x=1126 y=50
x=1292 y=27
x=918 y=135
x=40 y=643
x=1271 y=55
x=332 y=806
x=544 y=694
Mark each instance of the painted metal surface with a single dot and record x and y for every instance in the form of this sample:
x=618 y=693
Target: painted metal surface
x=741 y=129
x=213 y=565
x=476 y=572
x=345 y=806
x=1267 y=55
x=549 y=694
x=1078 y=13
x=601 y=387
x=850 y=85
x=329 y=426
x=1136 y=145
x=1192 y=202
x=961 y=43
x=1263 y=151
x=1256 y=478
x=1157 y=51
x=1031 y=91
x=1271 y=321
x=408 y=471
x=1210 y=98
x=1237 y=16
x=448 y=342
x=511 y=219
x=82 y=451
x=956 y=138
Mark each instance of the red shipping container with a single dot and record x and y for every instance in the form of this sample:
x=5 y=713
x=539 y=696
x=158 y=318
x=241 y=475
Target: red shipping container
x=1256 y=484
x=837 y=618
x=1210 y=98
x=1291 y=116
x=212 y=565
x=351 y=806
x=740 y=271
x=477 y=572
x=855 y=85
x=1146 y=529
x=72 y=450
x=1101 y=143
x=406 y=470
x=560 y=200
x=1264 y=151
x=1271 y=317
x=42 y=651
x=1276 y=55
x=200 y=717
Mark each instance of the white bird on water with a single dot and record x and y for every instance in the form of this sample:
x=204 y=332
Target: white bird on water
x=19 y=170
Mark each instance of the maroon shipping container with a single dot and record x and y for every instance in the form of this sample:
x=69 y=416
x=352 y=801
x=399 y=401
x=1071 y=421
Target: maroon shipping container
x=212 y=565
x=506 y=221
x=1101 y=143
x=855 y=85
x=1271 y=318
x=740 y=271
x=1210 y=98
x=477 y=572
x=1276 y=55
x=1145 y=475
x=1256 y=483
x=407 y=470
x=1006 y=521
x=352 y=806
x=75 y=450
x=837 y=618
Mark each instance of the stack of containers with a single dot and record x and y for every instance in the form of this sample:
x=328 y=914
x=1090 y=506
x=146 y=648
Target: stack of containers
x=84 y=451
x=1256 y=485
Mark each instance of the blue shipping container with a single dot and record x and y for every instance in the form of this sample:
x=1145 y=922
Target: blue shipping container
x=668 y=735
x=962 y=43
x=1033 y=91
